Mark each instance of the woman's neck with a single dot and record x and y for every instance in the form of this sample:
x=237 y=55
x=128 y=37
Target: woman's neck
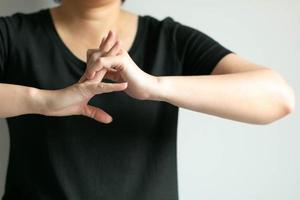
x=86 y=18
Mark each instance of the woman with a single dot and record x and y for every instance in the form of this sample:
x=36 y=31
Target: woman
x=57 y=72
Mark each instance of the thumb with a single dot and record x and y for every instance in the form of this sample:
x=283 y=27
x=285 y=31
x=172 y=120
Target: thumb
x=110 y=87
x=96 y=114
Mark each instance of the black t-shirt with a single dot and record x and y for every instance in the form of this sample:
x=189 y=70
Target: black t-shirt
x=78 y=158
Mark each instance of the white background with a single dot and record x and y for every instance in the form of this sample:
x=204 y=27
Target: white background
x=220 y=159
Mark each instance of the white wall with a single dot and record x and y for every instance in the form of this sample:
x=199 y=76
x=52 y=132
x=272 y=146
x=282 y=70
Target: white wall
x=219 y=158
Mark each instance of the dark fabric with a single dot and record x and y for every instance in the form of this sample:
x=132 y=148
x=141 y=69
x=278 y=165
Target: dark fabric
x=75 y=157
x=4 y=38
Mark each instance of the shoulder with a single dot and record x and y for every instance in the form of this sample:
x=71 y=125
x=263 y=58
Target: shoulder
x=167 y=23
x=17 y=22
x=19 y=29
x=164 y=30
x=170 y=27
x=19 y=17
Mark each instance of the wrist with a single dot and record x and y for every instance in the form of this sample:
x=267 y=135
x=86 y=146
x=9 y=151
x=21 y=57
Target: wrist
x=159 y=89
x=39 y=100
x=34 y=103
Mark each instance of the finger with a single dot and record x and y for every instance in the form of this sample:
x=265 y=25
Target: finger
x=90 y=52
x=110 y=87
x=112 y=76
x=94 y=58
x=114 y=50
x=109 y=42
x=94 y=55
x=102 y=42
x=110 y=63
x=101 y=46
x=96 y=113
x=99 y=75
x=97 y=53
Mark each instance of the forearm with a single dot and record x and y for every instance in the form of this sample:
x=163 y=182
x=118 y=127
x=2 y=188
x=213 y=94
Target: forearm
x=257 y=97
x=18 y=100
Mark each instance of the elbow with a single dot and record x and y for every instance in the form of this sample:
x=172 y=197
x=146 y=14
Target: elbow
x=290 y=101
x=288 y=105
x=284 y=108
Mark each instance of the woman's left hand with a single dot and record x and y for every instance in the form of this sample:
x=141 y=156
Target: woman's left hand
x=121 y=68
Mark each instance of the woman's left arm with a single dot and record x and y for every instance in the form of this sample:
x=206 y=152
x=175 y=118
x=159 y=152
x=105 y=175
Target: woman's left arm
x=236 y=89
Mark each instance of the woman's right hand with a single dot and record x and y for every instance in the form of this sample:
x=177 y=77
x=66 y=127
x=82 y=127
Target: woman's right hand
x=73 y=100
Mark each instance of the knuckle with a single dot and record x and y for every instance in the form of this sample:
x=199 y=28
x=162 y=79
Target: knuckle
x=85 y=111
x=99 y=60
x=88 y=112
x=101 y=86
x=94 y=56
x=93 y=114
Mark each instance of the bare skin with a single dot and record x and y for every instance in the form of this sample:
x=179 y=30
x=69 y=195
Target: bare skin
x=94 y=23
x=67 y=101
x=237 y=89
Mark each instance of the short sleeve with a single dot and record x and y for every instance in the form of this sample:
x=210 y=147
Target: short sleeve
x=3 y=47
x=197 y=52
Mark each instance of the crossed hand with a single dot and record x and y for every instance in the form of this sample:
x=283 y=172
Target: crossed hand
x=109 y=61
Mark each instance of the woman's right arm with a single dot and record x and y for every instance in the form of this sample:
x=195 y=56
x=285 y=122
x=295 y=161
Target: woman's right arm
x=14 y=99
x=72 y=100
x=19 y=100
